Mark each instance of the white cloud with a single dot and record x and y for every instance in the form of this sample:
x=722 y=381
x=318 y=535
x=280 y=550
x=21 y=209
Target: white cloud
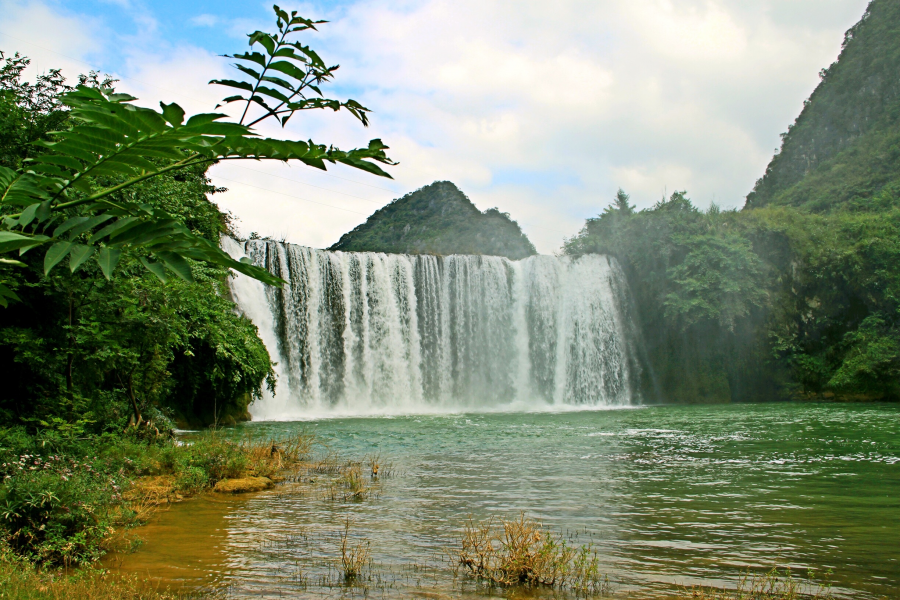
x=543 y=111
x=205 y=20
x=50 y=38
x=645 y=94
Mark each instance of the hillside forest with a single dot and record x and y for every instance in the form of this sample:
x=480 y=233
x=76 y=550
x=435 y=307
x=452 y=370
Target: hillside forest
x=798 y=294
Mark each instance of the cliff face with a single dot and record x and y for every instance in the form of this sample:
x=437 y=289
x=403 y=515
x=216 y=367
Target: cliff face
x=438 y=219
x=845 y=145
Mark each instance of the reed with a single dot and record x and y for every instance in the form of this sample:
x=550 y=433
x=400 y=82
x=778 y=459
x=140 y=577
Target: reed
x=269 y=457
x=350 y=484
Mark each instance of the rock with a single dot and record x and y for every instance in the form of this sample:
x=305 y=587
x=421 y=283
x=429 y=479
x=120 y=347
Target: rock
x=243 y=484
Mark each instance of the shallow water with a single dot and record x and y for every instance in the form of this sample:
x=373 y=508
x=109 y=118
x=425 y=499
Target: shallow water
x=667 y=495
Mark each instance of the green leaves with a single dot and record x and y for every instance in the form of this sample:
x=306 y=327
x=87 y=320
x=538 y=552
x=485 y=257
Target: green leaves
x=7 y=295
x=78 y=255
x=108 y=258
x=304 y=69
x=70 y=196
x=155 y=268
x=55 y=254
x=13 y=241
x=177 y=264
x=172 y=113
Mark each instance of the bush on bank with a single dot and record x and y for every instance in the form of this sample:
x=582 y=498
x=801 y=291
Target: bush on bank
x=63 y=498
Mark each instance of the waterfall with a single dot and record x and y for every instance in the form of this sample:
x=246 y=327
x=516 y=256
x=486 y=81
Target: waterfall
x=372 y=333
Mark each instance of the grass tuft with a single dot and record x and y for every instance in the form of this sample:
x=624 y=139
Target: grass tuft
x=521 y=552
x=20 y=580
x=354 y=559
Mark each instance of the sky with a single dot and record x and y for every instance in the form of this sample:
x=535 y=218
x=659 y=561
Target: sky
x=542 y=109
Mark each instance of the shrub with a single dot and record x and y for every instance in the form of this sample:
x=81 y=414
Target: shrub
x=53 y=511
x=192 y=479
x=523 y=552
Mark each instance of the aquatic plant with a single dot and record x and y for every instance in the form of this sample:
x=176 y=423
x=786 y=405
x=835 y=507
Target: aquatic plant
x=523 y=552
x=354 y=558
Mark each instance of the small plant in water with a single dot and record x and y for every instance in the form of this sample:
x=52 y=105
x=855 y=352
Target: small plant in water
x=350 y=485
x=354 y=559
x=523 y=552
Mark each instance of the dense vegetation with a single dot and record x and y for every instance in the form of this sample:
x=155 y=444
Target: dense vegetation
x=438 y=219
x=91 y=352
x=97 y=366
x=797 y=295
x=104 y=357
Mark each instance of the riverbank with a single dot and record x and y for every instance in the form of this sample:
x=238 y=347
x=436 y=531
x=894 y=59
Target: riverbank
x=19 y=580
x=67 y=501
x=70 y=502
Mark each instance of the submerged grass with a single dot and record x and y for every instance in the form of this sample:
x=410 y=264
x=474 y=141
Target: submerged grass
x=773 y=585
x=354 y=558
x=351 y=480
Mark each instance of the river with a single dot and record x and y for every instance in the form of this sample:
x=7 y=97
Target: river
x=667 y=495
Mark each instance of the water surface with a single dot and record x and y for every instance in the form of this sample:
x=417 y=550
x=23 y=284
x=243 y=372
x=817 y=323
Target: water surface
x=667 y=495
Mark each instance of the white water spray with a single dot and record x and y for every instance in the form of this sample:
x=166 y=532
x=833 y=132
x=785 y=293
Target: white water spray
x=372 y=333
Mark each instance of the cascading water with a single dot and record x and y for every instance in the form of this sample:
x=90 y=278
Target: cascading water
x=363 y=333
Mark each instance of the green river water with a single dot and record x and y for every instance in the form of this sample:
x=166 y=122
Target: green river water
x=667 y=495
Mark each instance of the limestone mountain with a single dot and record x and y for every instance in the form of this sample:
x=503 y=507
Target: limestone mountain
x=438 y=219
x=845 y=145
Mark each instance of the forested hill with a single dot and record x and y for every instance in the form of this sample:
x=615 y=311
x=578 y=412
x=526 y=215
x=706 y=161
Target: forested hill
x=438 y=219
x=798 y=295
x=845 y=145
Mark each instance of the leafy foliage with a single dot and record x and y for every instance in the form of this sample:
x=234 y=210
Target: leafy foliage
x=294 y=69
x=67 y=198
x=33 y=109
x=131 y=342
x=52 y=509
x=91 y=351
x=437 y=219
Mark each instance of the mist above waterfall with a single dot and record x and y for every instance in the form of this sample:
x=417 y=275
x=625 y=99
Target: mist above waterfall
x=372 y=333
